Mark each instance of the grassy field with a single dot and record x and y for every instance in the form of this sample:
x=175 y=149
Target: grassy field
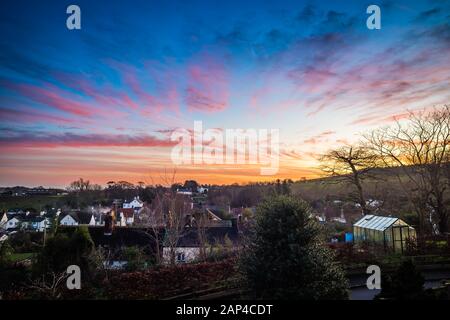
x=330 y=186
x=37 y=202
x=15 y=257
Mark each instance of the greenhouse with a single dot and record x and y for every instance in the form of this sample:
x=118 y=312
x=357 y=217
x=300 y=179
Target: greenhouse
x=390 y=232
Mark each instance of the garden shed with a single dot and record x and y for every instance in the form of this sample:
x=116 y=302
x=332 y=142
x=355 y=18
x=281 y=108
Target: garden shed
x=390 y=232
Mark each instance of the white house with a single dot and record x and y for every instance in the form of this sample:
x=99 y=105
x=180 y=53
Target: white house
x=115 y=265
x=38 y=224
x=189 y=244
x=339 y=220
x=182 y=254
x=186 y=192
x=202 y=190
x=135 y=204
x=77 y=218
x=128 y=215
x=13 y=223
x=68 y=220
x=121 y=220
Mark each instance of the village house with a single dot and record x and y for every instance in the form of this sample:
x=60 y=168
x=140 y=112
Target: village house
x=128 y=215
x=202 y=190
x=12 y=212
x=184 y=191
x=193 y=240
x=77 y=218
x=13 y=223
x=27 y=221
x=120 y=218
x=135 y=204
x=35 y=223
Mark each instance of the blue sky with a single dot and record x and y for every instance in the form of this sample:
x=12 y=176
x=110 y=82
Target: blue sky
x=86 y=102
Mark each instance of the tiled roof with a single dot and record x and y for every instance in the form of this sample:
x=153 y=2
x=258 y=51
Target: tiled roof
x=127 y=212
x=213 y=235
x=80 y=217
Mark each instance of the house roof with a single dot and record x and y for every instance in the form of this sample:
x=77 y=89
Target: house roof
x=136 y=199
x=214 y=214
x=127 y=212
x=15 y=215
x=33 y=219
x=80 y=217
x=213 y=235
x=127 y=237
x=378 y=223
x=18 y=218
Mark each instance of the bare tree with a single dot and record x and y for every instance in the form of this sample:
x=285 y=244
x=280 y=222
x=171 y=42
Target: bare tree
x=49 y=285
x=421 y=149
x=80 y=185
x=201 y=225
x=99 y=260
x=167 y=212
x=350 y=164
x=175 y=223
x=150 y=221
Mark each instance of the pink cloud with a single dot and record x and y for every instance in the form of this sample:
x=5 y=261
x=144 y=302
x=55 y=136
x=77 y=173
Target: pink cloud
x=30 y=116
x=53 y=140
x=53 y=97
x=207 y=88
x=104 y=96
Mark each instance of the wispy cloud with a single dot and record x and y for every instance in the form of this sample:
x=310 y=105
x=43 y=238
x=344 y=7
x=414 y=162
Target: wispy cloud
x=53 y=140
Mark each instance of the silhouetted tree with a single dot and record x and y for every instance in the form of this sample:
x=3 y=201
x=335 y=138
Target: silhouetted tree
x=285 y=257
x=421 y=149
x=405 y=283
x=351 y=165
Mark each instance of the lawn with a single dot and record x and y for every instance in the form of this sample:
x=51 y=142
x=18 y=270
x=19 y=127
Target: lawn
x=15 y=257
x=37 y=202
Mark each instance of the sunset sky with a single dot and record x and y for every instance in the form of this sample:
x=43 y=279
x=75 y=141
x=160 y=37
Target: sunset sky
x=101 y=102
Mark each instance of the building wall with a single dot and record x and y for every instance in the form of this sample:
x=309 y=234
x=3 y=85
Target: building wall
x=12 y=223
x=39 y=226
x=133 y=204
x=68 y=221
x=190 y=254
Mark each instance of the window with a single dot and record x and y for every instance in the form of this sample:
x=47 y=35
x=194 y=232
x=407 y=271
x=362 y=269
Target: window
x=181 y=257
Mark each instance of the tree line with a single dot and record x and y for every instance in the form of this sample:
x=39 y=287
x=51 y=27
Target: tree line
x=419 y=149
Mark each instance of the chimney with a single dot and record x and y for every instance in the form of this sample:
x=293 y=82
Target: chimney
x=234 y=223
x=109 y=224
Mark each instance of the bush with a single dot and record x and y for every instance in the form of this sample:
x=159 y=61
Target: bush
x=65 y=249
x=26 y=241
x=11 y=276
x=406 y=283
x=164 y=282
x=286 y=257
x=135 y=257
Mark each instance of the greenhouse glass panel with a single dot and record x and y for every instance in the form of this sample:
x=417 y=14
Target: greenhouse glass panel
x=388 y=231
